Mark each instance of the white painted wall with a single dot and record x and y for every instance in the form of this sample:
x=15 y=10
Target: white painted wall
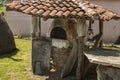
x=22 y=23
x=111 y=28
x=45 y=26
x=19 y=23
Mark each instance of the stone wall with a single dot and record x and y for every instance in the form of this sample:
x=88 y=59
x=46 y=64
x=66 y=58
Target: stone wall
x=41 y=50
x=108 y=73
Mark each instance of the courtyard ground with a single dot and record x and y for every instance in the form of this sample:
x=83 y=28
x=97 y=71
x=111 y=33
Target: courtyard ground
x=17 y=65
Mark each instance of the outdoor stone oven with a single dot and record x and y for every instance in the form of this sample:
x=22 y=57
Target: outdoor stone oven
x=65 y=47
x=61 y=35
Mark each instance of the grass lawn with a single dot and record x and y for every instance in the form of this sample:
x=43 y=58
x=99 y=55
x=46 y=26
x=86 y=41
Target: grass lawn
x=17 y=65
x=2 y=8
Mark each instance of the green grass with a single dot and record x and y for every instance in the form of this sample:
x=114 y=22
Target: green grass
x=2 y=8
x=14 y=66
x=17 y=65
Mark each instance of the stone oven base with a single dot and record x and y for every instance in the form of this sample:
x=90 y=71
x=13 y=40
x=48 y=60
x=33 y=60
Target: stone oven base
x=91 y=75
x=108 y=73
x=41 y=50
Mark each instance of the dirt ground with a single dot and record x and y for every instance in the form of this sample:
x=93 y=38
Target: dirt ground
x=91 y=75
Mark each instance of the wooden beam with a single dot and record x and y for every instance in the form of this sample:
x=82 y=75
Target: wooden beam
x=101 y=32
x=80 y=67
x=99 y=38
x=70 y=61
x=101 y=27
x=81 y=30
x=39 y=26
x=36 y=26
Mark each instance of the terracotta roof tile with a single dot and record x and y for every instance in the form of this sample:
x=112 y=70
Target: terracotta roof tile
x=28 y=10
x=51 y=8
x=24 y=7
x=65 y=8
x=80 y=13
x=40 y=12
x=45 y=7
x=53 y=13
x=39 y=6
x=34 y=11
x=77 y=9
x=71 y=8
x=59 y=13
x=66 y=13
x=46 y=13
x=18 y=6
x=73 y=13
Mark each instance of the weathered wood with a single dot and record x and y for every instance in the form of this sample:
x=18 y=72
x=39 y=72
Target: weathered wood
x=101 y=44
x=106 y=57
x=81 y=30
x=95 y=37
x=87 y=65
x=39 y=30
x=99 y=38
x=36 y=28
x=70 y=61
x=80 y=67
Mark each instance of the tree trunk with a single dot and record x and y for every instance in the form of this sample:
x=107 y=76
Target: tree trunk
x=7 y=43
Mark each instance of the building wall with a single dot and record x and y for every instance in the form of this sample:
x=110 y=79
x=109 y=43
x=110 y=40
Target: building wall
x=111 y=28
x=19 y=23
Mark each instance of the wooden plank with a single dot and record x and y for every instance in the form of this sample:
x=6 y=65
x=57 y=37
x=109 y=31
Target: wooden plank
x=81 y=30
x=80 y=67
x=106 y=57
x=70 y=61
x=98 y=42
x=36 y=28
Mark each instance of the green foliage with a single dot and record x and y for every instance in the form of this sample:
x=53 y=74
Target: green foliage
x=2 y=1
x=2 y=8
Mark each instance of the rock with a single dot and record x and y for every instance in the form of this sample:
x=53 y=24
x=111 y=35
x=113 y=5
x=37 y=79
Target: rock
x=108 y=73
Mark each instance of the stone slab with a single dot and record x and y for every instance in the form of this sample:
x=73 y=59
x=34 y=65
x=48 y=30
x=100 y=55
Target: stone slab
x=106 y=57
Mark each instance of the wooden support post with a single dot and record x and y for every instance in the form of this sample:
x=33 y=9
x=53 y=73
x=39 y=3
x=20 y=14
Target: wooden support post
x=98 y=42
x=36 y=28
x=81 y=28
x=80 y=67
x=39 y=26
x=70 y=61
x=101 y=32
x=101 y=27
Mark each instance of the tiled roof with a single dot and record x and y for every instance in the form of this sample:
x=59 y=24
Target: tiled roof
x=64 y=9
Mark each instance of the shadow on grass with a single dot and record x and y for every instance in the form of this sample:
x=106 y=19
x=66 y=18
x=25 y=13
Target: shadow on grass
x=9 y=55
